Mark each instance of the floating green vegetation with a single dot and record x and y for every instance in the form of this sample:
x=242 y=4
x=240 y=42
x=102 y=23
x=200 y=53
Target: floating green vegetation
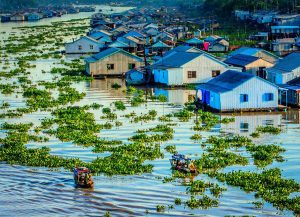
x=200 y=187
x=227 y=120
x=177 y=201
x=204 y=203
x=268 y=129
x=258 y=204
x=116 y=86
x=222 y=143
x=159 y=128
x=166 y=118
x=196 y=137
x=5 y=105
x=160 y=208
x=268 y=185
x=137 y=101
x=265 y=154
x=19 y=127
x=218 y=160
x=107 y=214
x=184 y=115
x=7 y=88
x=171 y=149
x=150 y=116
x=144 y=138
x=120 y=105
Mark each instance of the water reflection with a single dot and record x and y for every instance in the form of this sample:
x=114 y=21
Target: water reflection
x=293 y=116
x=176 y=96
x=245 y=124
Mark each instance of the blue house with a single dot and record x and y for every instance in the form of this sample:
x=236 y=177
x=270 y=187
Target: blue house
x=5 y=18
x=195 y=42
x=235 y=90
x=285 y=70
x=34 y=17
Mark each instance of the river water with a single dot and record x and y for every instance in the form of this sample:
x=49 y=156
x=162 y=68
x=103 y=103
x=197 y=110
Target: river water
x=27 y=191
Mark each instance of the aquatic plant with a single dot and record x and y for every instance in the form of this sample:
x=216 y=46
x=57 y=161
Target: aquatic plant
x=196 y=137
x=177 y=201
x=227 y=120
x=268 y=185
x=265 y=154
x=171 y=149
x=115 y=86
x=268 y=129
x=120 y=105
x=205 y=202
x=160 y=208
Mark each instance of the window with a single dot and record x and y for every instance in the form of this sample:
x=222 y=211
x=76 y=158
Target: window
x=268 y=97
x=268 y=122
x=215 y=73
x=192 y=74
x=92 y=47
x=110 y=66
x=244 y=97
x=244 y=127
x=80 y=47
x=131 y=65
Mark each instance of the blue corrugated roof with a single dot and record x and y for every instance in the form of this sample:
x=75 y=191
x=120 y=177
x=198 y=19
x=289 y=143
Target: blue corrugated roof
x=119 y=44
x=246 y=51
x=108 y=52
x=97 y=35
x=181 y=48
x=289 y=63
x=285 y=27
x=227 y=81
x=160 y=44
x=134 y=33
x=240 y=60
x=177 y=59
x=194 y=41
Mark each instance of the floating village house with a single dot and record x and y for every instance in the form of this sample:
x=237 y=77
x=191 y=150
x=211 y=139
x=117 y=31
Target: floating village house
x=112 y=62
x=284 y=46
x=251 y=64
x=293 y=93
x=180 y=68
x=286 y=70
x=34 y=17
x=235 y=90
x=17 y=17
x=84 y=45
x=256 y=52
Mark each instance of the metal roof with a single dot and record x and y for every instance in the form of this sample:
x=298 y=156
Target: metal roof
x=194 y=41
x=176 y=59
x=288 y=63
x=227 y=81
x=251 y=52
x=240 y=60
x=160 y=44
x=108 y=52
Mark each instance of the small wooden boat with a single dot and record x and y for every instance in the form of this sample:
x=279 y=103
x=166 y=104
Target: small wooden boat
x=137 y=76
x=182 y=163
x=83 y=177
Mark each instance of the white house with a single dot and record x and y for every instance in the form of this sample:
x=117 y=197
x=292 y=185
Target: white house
x=287 y=69
x=235 y=90
x=180 y=68
x=84 y=45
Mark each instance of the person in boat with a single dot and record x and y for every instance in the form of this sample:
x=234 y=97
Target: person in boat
x=192 y=167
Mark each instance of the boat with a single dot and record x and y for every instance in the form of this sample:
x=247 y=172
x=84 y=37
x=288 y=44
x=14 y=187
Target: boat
x=138 y=76
x=83 y=177
x=183 y=164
